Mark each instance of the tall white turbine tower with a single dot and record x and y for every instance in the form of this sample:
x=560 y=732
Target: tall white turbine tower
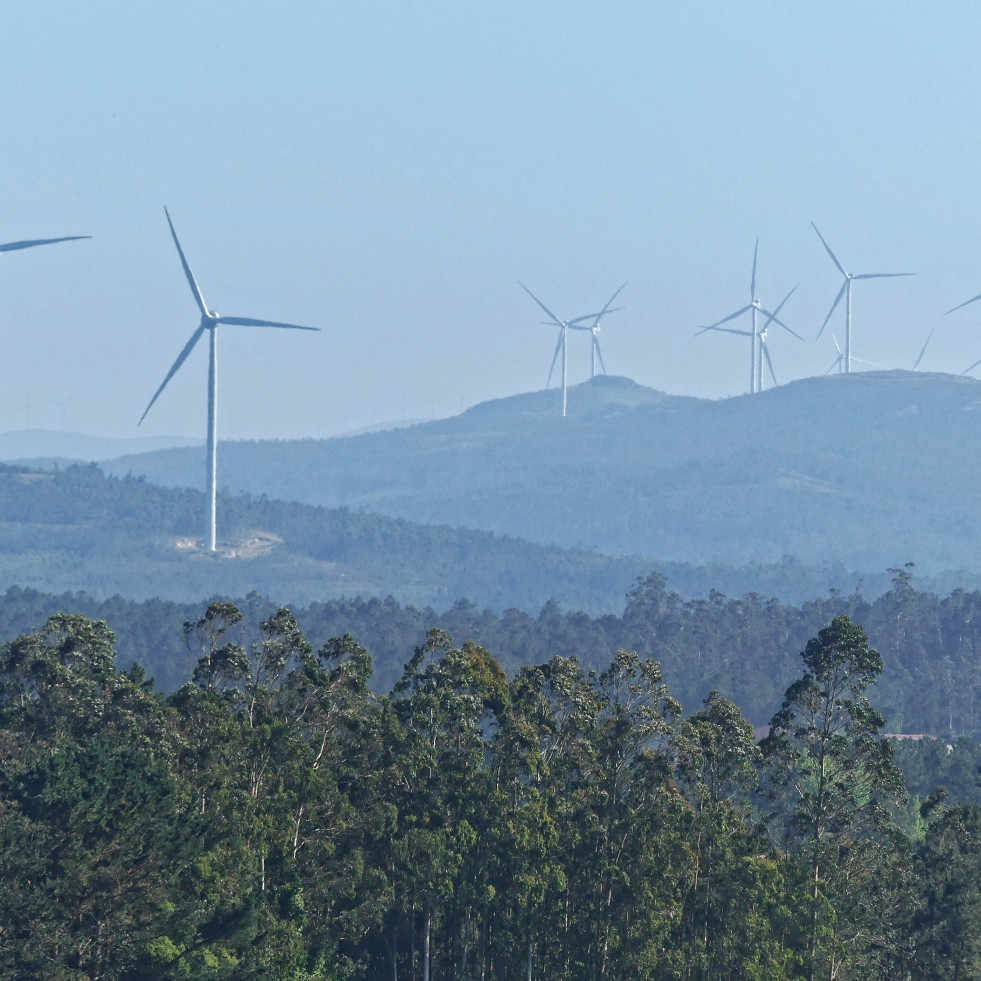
x=209 y=322
x=754 y=307
x=562 y=343
x=846 y=291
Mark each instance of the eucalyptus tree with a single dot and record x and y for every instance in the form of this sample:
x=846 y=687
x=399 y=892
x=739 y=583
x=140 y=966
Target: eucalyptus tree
x=825 y=752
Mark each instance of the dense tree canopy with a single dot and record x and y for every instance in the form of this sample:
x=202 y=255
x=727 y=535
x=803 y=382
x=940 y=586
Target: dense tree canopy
x=274 y=817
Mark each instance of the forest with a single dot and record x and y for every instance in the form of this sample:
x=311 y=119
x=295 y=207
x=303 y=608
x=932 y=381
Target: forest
x=743 y=646
x=276 y=816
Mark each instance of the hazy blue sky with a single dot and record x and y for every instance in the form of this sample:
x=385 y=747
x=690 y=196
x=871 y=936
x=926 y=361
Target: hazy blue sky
x=389 y=171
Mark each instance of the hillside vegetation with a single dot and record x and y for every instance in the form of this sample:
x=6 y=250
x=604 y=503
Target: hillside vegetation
x=866 y=470
x=80 y=530
x=745 y=647
x=76 y=529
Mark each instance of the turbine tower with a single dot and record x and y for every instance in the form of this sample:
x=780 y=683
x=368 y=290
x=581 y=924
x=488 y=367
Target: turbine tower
x=846 y=291
x=209 y=322
x=561 y=344
x=754 y=307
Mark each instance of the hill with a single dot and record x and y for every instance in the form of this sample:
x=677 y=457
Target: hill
x=37 y=445
x=77 y=529
x=80 y=530
x=870 y=469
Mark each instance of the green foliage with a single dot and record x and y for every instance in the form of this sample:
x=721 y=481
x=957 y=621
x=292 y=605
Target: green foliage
x=275 y=819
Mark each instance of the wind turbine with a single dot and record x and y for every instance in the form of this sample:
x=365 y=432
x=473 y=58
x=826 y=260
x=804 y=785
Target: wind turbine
x=754 y=306
x=594 y=332
x=209 y=322
x=561 y=344
x=839 y=362
x=846 y=291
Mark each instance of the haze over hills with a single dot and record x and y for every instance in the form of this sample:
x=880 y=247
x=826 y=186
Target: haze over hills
x=44 y=444
x=869 y=469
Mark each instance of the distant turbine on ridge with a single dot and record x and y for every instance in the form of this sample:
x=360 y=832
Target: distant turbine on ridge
x=564 y=326
x=756 y=346
x=594 y=330
x=209 y=321
x=846 y=291
x=839 y=362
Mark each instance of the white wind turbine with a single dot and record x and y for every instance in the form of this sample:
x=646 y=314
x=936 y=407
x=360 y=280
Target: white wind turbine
x=846 y=291
x=209 y=322
x=594 y=330
x=561 y=344
x=839 y=362
x=756 y=346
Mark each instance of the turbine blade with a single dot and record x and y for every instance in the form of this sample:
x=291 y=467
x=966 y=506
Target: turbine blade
x=841 y=293
x=555 y=357
x=769 y=363
x=592 y=316
x=599 y=353
x=786 y=298
x=965 y=303
x=837 y=361
x=774 y=319
x=752 y=279
x=976 y=363
x=916 y=364
x=606 y=309
x=181 y=358
x=834 y=258
x=727 y=330
x=195 y=289
x=250 y=322
x=555 y=319
x=609 y=302
x=881 y=275
x=14 y=246
x=837 y=347
x=732 y=316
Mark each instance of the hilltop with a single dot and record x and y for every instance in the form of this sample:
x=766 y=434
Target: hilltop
x=870 y=470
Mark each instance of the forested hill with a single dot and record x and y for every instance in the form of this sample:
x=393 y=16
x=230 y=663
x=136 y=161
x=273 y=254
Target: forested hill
x=869 y=469
x=746 y=647
x=80 y=530
x=77 y=529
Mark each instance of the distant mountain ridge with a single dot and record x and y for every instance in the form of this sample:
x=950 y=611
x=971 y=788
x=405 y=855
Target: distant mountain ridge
x=870 y=469
x=44 y=444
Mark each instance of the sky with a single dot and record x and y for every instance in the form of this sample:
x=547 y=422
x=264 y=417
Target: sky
x=389 y=172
